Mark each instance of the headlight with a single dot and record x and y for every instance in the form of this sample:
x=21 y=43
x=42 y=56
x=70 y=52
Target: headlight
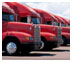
x=29 y=38
x=54 y=37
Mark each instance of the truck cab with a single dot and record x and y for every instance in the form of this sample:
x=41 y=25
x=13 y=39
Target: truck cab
x=65 y=30
x=17 y=36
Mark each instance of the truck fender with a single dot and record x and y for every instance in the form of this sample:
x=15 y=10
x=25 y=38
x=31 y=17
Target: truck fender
x=66 y=35
x=48 y=36
x=19 y=35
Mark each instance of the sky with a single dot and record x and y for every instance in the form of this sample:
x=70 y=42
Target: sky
x=58 y=8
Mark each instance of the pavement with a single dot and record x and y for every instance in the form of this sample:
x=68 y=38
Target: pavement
x=60 y=53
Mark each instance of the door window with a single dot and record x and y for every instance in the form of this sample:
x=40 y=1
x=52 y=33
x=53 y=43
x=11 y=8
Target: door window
x=7 y=17
x=35 y=20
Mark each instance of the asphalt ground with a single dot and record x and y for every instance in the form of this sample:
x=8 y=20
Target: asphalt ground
x=60 y=53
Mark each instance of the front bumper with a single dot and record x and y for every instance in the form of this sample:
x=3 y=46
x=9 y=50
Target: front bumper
x=68 y=41
x=52 y=44
x=27 y=46
x=30 y=46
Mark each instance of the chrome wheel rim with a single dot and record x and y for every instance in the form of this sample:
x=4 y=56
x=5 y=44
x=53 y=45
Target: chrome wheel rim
x=11 y=47
x=42 y=45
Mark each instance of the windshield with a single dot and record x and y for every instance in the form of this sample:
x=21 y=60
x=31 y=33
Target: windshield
x=50 y=23
x=59 y=24
x=7 y=17
x=62 y=24
x=35 y=20
x=55 y=23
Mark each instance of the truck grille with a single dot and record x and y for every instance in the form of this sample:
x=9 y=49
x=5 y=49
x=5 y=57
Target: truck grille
x=59 y=36
x=37 y=38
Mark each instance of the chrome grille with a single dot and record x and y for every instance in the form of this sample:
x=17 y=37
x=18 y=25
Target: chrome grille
x=37 y=37
x=59 y=36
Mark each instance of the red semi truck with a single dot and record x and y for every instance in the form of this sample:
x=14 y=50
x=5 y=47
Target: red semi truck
x=65 y=31
x=57 y=20
x=49 y=19
x=17 y=36
x=27 y=15
x=66 y=21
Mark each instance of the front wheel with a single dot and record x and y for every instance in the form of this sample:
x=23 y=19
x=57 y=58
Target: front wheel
x=11 y=48
x=43 y=45
x=64 y=42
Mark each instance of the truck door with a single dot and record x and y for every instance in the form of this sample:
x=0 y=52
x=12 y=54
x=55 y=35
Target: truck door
x=4 y=23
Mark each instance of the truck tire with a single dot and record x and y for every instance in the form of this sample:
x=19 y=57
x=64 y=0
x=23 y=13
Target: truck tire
x=43 y=44
x=64 y=41
x=11 y=47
